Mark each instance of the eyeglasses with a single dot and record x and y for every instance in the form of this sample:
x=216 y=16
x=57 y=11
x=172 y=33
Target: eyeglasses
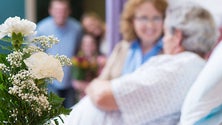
x=144 y=19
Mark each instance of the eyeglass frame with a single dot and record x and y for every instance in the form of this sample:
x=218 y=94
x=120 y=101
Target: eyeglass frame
x=145 y=19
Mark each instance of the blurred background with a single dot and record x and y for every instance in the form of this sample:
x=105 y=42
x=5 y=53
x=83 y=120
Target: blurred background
x=108 y=10
x=36 y=10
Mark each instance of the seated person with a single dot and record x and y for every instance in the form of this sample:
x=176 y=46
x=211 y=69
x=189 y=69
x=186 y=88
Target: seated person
x=203 y=104
x=155 y=92
x=142 y=37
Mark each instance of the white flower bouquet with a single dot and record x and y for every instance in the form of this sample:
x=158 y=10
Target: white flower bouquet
x=25 y=73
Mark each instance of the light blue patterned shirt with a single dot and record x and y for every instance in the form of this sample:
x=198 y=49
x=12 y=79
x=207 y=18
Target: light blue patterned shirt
x=152 y=95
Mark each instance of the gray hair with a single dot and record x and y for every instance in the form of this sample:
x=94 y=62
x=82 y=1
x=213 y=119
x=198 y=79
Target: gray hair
x=196 y=24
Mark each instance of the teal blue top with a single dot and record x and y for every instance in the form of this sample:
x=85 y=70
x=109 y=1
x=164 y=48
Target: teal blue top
x=213 y=118
x=136 y=58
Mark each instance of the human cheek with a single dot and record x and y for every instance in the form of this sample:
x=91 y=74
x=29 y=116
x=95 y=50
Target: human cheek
x=136 y=27
x=159 y=29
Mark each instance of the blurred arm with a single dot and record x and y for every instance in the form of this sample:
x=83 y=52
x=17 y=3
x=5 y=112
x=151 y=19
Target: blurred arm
x=101 y=94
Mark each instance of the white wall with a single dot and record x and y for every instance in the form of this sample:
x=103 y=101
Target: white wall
x=30 y=10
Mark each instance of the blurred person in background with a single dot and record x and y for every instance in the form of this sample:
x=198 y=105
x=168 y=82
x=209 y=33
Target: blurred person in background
x=94 y=25
x=87 y=64
x=68 y=30
x=141 y=25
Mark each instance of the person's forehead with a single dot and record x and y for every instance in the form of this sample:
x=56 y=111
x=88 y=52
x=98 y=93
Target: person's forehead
x=59 y=3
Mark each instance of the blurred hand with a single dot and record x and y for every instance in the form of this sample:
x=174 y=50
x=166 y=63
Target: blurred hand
x=100 y=92
x=79 y=85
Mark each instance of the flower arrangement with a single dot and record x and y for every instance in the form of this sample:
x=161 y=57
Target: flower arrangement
x=83 y=69
x=25 y=73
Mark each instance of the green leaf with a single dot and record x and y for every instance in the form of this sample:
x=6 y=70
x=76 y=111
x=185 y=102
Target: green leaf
x=1 y=77
x=6 y=39
x=17 y=40
x=7 y=48
x=56 y=102
x=3 y=58
x=2 y=87
x=56 y=121
x=61 y=119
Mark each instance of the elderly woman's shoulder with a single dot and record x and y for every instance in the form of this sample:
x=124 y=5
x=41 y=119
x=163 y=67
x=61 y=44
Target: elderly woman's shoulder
x=189 y=58
x=181 y=58
x=187 y=55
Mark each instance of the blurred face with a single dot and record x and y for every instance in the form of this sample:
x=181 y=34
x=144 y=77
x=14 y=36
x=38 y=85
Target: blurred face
x=168 y=43
x=92 y=26
x=172 y=41
x=148 y=23
x=88 y=45
x=60 y=12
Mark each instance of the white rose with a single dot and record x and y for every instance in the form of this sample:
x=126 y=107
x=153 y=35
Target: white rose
x=43 y=65
x=16 y=25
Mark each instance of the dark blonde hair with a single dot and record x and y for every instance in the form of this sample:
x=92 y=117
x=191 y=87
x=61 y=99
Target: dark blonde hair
x=94 y=16
x=126 y=27
x=91 y=15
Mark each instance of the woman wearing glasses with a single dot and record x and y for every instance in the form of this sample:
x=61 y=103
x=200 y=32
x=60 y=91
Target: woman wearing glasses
x=142 y=29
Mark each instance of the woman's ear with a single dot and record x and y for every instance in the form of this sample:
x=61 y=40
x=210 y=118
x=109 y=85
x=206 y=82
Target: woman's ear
x=177 y=37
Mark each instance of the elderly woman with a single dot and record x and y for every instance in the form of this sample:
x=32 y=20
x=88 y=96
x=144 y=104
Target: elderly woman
x=154 y=93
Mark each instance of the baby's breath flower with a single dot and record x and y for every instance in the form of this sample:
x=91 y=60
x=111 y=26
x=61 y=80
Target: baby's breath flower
x=14 y=113
x=20 y=76
x=64 y=60
x=29 y=92
x=15 y=58
x=31 y=49
x=45 y=42
x=4 y=68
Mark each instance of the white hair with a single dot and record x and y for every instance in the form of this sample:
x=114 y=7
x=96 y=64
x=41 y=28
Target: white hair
x=197 y=25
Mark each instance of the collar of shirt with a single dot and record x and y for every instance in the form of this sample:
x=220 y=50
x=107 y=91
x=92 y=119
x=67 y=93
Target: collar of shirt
x=135 y=57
